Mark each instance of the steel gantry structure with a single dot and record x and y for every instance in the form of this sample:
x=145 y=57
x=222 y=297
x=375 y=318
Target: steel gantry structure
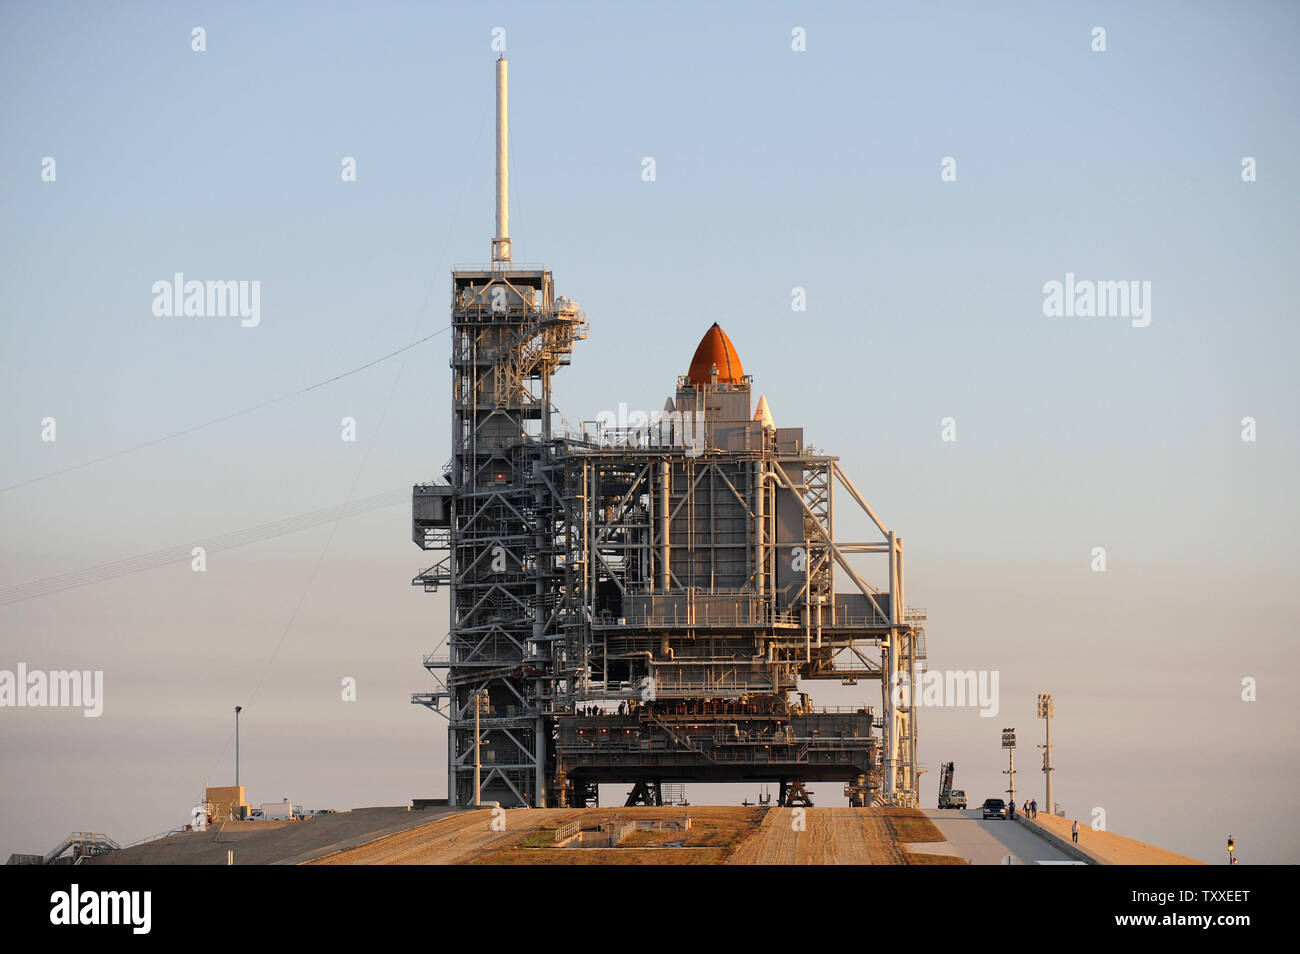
x=498 y=522
x=640 y=603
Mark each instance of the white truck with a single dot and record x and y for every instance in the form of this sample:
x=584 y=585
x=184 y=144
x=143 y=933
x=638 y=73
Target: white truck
x=949 y=797
x=278 y=811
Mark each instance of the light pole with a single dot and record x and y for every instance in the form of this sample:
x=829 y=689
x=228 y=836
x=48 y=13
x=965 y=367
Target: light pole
x=480 y=700
x=1047 y=709
x=1009 y=743
x=238 y=709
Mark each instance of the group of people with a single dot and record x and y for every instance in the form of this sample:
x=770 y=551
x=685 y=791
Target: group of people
x=1030 y=808
x=624 y=708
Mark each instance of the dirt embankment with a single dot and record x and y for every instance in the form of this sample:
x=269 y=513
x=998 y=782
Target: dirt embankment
x=843 y=836
x=449 y=840
x=718 y=835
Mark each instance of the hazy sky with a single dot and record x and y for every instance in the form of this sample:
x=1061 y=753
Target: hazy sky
x=819 y=169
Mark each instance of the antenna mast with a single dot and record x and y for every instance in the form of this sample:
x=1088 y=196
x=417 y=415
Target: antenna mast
x=501 y=242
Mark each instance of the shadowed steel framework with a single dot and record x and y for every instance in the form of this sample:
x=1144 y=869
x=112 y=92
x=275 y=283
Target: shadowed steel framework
x=642 y=601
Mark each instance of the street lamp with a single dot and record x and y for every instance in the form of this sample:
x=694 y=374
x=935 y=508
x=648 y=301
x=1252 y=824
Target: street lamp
x=1047 y=709
x=238 y=709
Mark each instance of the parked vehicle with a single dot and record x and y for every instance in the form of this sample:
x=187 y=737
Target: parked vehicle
x=949 y=797
x=279 y=811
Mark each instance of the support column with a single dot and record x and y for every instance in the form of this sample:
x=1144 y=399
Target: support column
x=665 y=548
x=760 y=527
x=889 y=787
x=539 y=798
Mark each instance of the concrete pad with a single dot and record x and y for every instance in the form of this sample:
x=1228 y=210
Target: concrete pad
x=993 y=842
x=275 y=842
x=933 y=848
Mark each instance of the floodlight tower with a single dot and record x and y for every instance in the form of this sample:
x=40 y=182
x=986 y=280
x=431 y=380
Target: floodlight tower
x=1009 y=743
x=1046 y=709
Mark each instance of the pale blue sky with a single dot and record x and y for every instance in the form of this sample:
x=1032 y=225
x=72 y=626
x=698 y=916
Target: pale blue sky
x=775 y=169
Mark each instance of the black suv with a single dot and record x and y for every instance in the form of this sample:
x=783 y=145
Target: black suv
x=994 y=808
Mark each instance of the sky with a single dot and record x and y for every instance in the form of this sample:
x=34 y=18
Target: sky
x=827 y=169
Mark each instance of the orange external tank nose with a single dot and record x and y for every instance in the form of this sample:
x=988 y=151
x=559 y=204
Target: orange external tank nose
x=715 y=350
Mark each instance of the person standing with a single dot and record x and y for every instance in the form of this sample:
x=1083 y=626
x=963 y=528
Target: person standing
x=1074 y=831
x=1033 y=808
x=1011 y=809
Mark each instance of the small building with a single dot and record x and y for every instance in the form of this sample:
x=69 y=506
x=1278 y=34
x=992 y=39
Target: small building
x=225 y=801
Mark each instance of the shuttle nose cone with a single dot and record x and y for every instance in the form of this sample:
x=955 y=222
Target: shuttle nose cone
x=715 y=350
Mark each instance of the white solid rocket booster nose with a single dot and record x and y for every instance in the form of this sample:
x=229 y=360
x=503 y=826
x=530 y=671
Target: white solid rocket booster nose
x=501 y=241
